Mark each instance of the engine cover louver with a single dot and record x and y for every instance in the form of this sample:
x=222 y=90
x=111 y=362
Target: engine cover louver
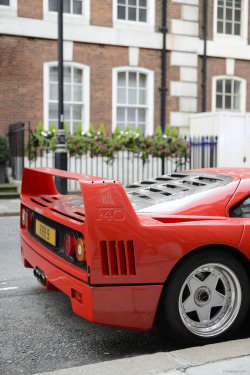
x=117 y=258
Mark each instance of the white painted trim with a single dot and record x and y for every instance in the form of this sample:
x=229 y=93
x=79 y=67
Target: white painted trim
x=133 y=56
x=243 y=38
x=86 y=91
x=243 y=92
x=125 y=24
x=150 y=95
x=83 y=19
x=9 y=10
x=76 y=32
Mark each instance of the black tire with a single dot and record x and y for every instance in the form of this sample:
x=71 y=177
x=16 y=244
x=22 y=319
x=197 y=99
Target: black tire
x=205 y=299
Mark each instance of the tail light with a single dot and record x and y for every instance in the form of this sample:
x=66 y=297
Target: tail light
x=69 y=244
x=80 y=249
x=26 y=218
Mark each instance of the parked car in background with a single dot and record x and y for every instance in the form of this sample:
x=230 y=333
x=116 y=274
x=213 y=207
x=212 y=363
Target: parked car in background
x=173 y=249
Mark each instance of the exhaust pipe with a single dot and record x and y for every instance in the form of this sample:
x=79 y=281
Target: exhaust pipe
x=40 y=275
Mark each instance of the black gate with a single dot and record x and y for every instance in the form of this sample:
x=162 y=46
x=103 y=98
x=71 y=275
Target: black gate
x=16 y=143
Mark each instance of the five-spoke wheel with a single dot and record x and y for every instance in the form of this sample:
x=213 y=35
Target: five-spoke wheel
x=206 y=298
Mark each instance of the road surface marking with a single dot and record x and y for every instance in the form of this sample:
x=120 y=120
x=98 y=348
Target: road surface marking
x=9 y=288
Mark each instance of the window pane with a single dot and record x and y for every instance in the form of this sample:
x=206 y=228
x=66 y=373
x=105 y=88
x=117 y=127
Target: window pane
x=237 y=102
x=132 y=14
x=66 y=6
x=219 y=86
x=221 y=2
x=122 y=79
x=77 y=7
x=52 y=122
x=237 y=29
x=237 y=15
x=228 y=102
x=220 y=13
x=131 y=114
x=142 y=80
x=67 y=92
x=132 y=79
x=132 y=96
x=121 y=96
x=141 y=115
x=121 y=1
x=142 y=15
x=236 y=87
x=229 y=3
x=4 y=2
x=121 y=13
x=53 y=91
x=77 y=93
x=228 y=28
x=67 y=112
x=53 y=111
x=229 y=14
x=53 y=74
x=142 y=3
x=131 y=2
x=228 y=86
x=67 y=74
x=219 y=101
x=77 y=75
x=53 y=5
x=77 y=112
x=121 y=114
x=237 y=3
x=142 y=97
x=219 y=27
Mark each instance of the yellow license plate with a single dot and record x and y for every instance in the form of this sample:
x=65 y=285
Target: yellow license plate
x=46 y=233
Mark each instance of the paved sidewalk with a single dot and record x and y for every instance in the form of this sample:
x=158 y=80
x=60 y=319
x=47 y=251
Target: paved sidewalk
x=9 y=207
x=232 y=357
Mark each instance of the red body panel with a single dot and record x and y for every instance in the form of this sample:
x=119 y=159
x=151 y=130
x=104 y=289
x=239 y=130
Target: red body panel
x=129 y=255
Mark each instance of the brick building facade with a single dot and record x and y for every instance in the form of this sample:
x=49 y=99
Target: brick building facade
x=112 y=57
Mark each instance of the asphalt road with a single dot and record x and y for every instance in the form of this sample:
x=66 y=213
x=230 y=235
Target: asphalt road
x=38 y=330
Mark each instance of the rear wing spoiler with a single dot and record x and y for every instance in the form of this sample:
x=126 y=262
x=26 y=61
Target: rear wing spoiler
x=105 y=200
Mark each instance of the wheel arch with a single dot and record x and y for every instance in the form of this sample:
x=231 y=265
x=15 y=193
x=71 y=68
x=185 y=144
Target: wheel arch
x=225 y=248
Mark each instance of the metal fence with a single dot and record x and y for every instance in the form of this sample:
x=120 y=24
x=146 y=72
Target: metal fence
x=126 y=167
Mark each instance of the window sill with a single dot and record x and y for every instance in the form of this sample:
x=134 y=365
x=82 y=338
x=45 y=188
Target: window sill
x=137 y=26
x=67 y=18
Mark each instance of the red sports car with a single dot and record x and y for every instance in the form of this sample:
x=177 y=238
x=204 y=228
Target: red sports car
x=175 y=249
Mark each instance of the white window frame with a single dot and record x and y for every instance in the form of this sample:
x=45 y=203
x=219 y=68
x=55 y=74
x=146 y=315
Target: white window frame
x=9 y=10
x=86 y=91
x=243 y=87
x=150 y=95
x=83 y=19
x=149 y=25
x=244 y=25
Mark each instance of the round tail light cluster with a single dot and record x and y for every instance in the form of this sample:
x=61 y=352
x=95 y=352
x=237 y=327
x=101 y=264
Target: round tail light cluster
x=26 y=218
x=71 y=246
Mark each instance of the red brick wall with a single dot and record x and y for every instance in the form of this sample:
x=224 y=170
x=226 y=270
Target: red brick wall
x=21 y=79
x=101 y=12
x=30 y=8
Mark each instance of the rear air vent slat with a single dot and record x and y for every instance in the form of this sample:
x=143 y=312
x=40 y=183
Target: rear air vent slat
x=70 y=217
x=39 y=203
x=118 y=258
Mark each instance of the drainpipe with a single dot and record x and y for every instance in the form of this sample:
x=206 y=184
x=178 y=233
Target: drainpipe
x=204 y=64
x=163 y=88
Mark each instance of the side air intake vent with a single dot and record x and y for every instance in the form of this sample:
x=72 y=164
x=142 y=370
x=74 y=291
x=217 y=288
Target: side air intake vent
x=117 y=258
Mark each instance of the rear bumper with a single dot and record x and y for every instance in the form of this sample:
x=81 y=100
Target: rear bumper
x=128 y=306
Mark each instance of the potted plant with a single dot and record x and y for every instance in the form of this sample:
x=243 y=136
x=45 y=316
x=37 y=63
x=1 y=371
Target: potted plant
x=4 y=156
